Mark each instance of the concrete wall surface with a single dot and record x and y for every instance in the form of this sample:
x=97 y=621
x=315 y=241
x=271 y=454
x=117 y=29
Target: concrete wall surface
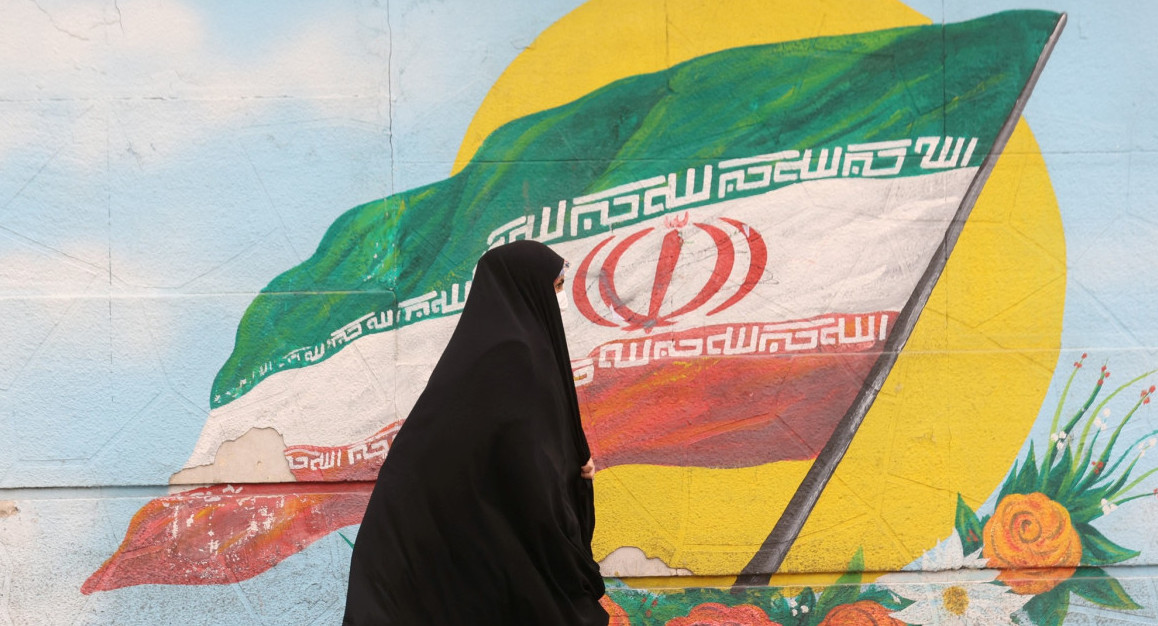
x=862 y=319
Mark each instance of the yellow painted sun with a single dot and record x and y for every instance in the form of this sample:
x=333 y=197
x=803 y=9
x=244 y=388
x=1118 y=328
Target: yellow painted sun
x=958 y=404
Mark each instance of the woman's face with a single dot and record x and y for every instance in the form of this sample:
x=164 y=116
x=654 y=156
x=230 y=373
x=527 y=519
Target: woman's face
x=559 y=293
x=562 y=277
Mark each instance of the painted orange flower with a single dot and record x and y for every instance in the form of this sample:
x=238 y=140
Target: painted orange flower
x=860 y=613
x=1032 y=540
x=714 y=614
x=618 y=615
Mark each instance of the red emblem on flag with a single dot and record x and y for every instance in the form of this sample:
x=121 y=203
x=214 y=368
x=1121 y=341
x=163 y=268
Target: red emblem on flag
x=716 y=237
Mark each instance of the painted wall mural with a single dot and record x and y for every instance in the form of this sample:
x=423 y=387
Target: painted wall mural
x=853 y=344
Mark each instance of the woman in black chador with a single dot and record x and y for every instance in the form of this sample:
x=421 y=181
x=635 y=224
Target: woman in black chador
x=483 y=510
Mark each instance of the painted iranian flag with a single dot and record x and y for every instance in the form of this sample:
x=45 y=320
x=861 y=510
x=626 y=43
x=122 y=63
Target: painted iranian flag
x=751 y=233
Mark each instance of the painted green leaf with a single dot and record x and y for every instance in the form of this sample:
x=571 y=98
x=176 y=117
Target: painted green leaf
x=885 y=598
x=1011 y=479
x=1026 y=481
x=1056 y=475
x=1049 y=608
x=844 y=591
x=1088 y=506
x=1098 y=550
x=968 y=527
x=1095 y=585
x=832 y=597
x=852 y=575
x=781 y=612
x=807 y=597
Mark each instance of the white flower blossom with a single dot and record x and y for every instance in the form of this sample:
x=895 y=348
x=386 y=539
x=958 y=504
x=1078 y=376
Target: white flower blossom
x=951 y=587
x=1108 y=507
x=964 y=603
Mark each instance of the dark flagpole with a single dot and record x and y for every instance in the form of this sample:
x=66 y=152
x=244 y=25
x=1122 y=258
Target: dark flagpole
x=758 y=571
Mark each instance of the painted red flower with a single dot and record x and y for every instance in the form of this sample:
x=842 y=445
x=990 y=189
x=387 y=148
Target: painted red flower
x=618 y=615
x=861 y=613
x=715 y=614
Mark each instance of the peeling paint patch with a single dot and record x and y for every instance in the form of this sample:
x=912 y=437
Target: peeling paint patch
x=631 y=561
x=8 y=508
x=257 y=456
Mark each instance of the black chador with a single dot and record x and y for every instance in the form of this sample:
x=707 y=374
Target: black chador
x=480 y=514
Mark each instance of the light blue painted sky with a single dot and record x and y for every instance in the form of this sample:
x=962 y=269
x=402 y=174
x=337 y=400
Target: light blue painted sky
x=165 y=162
x=178 y=157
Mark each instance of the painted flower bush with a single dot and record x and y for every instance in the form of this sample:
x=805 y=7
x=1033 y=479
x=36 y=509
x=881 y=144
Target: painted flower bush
x=1040 y=532
x=860 y=613
x=845 y=603
x=1019 y=564
x=716 y=614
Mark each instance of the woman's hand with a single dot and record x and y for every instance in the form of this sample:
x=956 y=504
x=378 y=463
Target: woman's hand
x=588 y=470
